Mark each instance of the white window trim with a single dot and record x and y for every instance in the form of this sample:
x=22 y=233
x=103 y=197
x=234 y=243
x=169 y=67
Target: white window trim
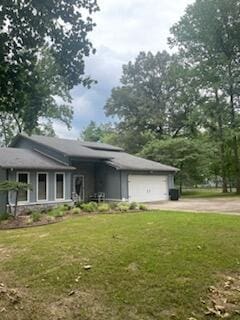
x=55 y=184
x=37 y=175
x=28 y=181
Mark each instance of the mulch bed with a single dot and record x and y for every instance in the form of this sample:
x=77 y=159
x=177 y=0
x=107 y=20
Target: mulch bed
x=23 y=222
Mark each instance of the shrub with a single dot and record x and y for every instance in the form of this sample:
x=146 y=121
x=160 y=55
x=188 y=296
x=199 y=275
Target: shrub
x=4 y=216
x=57 y=212
x=76 y=211
x=133 y=206
x=123 y=206
x=142 y=207
x=67 y=206
x=89 y=207
x=104 y=207
x=79 y=204
x=113 y=205
x=36 y=216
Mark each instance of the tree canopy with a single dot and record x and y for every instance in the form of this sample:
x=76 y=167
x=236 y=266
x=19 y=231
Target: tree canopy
x=44 y=44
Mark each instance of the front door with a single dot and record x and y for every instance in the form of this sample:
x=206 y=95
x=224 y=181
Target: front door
x=78 y=187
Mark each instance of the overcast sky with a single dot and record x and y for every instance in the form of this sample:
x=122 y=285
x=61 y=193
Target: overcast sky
x=124 y=28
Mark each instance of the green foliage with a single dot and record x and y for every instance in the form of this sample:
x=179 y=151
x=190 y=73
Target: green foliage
x=76 y=210
x=104 y=207
x=123 y=206
x=142 y=207
x=4 y=216
x=56 y=212
x=46 y=60
x=133 y=206
x=89 y=207
x=14 y=186
x=192 y=157
x=113 y=205
x=36 y=216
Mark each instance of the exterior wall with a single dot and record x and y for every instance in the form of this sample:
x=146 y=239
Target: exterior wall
x=108 y=180
x=86 y=169
x=33 y=193
x=27 y=144
x=3 y=195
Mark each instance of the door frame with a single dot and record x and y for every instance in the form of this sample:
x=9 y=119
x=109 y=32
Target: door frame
x=83 y=185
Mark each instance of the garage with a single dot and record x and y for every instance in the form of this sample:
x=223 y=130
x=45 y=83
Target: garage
x=148 y=188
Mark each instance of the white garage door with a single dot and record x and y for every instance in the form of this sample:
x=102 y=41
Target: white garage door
x=144 y=188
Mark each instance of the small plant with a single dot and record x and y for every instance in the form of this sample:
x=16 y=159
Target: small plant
x=113 y=205
x=4 y=216
x=133 y=206
x=89 y=207
x=142 y=207
x=79 y=204
x=104 y=207
x=123 y=206
x=76 y=211
x=67 y=206
x=56 y=213
x=36 y=216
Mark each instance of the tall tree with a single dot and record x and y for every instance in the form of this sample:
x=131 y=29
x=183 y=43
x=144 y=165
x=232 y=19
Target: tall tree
x=27 y=29
x=157 y=98
x=208 y=37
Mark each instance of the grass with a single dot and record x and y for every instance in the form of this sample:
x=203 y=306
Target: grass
x=206 y=193
x=143 y=266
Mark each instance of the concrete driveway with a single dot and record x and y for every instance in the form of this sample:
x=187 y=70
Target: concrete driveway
x=229 y=205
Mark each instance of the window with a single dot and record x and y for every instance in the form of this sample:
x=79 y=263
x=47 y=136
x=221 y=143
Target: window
x=60 y=185
x=23 y=196
x=42 y=186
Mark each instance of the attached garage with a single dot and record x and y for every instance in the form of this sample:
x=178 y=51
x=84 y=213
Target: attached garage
x=148 y=188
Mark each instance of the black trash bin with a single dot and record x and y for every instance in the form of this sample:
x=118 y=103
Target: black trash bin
x=174 y=194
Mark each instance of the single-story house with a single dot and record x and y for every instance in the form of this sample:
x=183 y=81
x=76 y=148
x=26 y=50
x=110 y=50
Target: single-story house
x=63 y=170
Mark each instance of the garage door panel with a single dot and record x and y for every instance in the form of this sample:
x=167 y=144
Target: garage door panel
x=143 y=188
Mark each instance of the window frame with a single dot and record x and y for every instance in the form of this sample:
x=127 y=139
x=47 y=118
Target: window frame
x=28 y=182
x=37 y=176
x=64 y=185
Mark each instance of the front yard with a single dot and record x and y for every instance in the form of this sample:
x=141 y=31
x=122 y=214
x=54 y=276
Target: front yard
x=153 y=265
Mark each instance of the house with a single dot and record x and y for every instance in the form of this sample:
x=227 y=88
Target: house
x=62 y=170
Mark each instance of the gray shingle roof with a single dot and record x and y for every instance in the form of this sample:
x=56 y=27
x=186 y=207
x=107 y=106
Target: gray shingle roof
x=113 y=156
x=72 y=148
x=19 y=158
x=125 y=161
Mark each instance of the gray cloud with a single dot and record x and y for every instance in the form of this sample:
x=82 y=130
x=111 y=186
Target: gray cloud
x=124 y=28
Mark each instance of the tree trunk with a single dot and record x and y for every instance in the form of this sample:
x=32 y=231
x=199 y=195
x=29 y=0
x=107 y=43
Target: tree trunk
x=222 y=145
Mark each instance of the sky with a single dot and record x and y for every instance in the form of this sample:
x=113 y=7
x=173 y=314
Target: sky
x=124 y=28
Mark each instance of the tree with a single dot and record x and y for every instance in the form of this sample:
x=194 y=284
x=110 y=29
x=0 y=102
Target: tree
x=208 y=38
x=16 y=187
x=157 y=99
x=28 y=30
x=192 y=157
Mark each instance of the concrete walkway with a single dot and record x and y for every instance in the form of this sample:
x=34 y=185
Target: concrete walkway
x=227 y=205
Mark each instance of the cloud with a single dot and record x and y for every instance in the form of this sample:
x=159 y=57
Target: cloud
x=124 y=28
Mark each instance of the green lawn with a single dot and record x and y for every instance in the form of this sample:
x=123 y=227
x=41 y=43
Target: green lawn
x=206 y=193
x=143 y=266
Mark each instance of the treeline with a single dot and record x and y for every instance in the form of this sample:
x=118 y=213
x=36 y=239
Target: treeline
x=183 y=108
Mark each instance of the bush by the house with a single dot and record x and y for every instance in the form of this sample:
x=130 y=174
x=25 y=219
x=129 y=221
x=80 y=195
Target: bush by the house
x=142 y=207
x=113 y=205
x=4 y=216
x=104 y=207
x=123 y=206
x=36 y=216
x=133 y=206
x=57 y=212
x=89 y=207
x=76 y=210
